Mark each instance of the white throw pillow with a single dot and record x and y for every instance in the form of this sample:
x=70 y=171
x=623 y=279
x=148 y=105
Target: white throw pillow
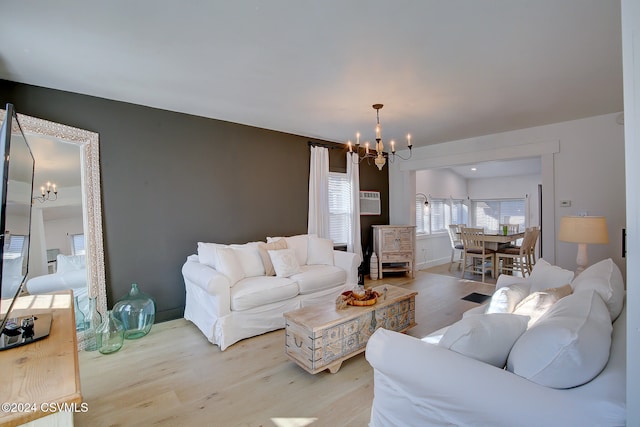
x=569 y=346
x=227 y=263
x=299 y=243
x=505 y=299
x=485 y=337
x=320 y=251
x=535 y=305
x=66 y=263
x=284 y=262
x=605 y=278
x=545 y=275
x=250 y=260
x=207 y=253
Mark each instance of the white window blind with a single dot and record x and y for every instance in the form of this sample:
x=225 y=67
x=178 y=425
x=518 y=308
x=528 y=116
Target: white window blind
x=440 y=215
x=339 y=207
x=15 y=246
x=77 y=244
x=422 y=217
x=489 y=214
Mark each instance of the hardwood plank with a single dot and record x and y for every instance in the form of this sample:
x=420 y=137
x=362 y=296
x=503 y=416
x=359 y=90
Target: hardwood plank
x=175 y=377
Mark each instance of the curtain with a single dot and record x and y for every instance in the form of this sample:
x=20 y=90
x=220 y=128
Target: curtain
x=318 y=222
x=354 y=243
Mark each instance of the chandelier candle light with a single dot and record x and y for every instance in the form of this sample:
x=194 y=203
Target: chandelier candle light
x=380 y=156
x=46 y=194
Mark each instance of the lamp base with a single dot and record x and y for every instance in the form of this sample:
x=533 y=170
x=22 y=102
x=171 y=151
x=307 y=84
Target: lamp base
x=582 y=258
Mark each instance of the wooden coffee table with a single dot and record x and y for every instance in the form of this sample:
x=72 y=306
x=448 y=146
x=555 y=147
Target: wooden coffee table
x=322 y=337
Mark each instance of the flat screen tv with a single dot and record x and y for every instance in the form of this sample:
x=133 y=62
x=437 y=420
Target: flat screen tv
x=16 y=190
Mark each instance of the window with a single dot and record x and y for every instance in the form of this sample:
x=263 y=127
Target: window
x=16 y=246
x=439 y=214
x=339 y=207
x=77 y=244
x=489 y=214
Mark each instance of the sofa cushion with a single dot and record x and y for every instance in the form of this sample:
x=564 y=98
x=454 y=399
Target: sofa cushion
x=320 y=251
x=569 y=346
x=313 y=278
x=605 y=278
x=207 y=253
x=254 y=292
x=249 y=257
x=66 y=263
x=299 y=243
x=505 y=299
x=284 y=262
x=264 y=248
x=545 y=275
x=485 y=337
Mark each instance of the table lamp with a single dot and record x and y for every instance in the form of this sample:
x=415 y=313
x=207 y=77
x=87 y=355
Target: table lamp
x=583 y=230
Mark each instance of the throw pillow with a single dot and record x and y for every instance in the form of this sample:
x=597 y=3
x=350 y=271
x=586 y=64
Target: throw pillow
x=605 y=278
x=227 y=263
x=264 y=248
x=207 y=253
x=320 y=251
x=545 y=275
x=505 y=299
x=284 y=262
x=569 y=346
x=535 y=305
x=298 y=243
x=250 y=260
x=485 y=337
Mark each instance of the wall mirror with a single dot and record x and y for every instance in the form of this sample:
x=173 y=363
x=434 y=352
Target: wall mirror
x=66 y=250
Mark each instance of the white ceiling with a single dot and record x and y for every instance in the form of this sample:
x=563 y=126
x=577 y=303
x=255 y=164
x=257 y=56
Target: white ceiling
x=445 y=70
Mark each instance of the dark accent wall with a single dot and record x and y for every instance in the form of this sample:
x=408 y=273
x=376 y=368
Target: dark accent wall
x=170 y=180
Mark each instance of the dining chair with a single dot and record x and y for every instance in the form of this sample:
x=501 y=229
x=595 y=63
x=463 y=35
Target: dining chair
x=476 y=252
x=531 y=250
x=513 y=259
x=456 y=245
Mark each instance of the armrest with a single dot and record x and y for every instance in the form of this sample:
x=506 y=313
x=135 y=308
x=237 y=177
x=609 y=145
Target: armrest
x=211 y=281
x=445 y=387
x=349 y=262
x=57 y=282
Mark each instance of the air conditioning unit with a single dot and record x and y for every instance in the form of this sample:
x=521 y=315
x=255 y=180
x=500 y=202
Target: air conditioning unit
x=370 y=203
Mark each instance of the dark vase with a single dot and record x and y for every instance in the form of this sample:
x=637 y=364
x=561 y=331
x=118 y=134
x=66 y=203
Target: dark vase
x=136 y=311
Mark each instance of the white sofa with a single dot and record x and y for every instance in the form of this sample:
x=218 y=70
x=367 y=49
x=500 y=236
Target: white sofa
x=239 y=291
x=563 y=364
x=71 y=273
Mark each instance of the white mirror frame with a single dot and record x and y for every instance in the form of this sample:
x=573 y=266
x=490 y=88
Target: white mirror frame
x=88 y=142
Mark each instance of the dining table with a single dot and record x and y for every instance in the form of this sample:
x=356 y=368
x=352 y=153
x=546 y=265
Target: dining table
x=494 y=238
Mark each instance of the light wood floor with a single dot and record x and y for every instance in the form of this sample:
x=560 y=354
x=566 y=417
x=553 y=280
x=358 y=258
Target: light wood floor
x=175 y=377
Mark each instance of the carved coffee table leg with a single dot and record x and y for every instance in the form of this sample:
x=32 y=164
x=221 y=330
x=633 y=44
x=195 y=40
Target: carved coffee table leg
x=334 y=368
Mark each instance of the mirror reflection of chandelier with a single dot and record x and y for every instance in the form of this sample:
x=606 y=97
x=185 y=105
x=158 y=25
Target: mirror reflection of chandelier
x=380 y=157
x=50 y=193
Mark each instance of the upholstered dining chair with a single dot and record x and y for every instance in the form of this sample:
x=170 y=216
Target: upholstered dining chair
x=475 y=254
x=516 y=259
x=456 y=245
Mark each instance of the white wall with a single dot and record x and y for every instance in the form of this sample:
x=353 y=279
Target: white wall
x=582 y=161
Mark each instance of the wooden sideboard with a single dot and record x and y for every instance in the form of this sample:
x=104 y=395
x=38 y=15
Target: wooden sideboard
x=40 y=378
x=395 y=247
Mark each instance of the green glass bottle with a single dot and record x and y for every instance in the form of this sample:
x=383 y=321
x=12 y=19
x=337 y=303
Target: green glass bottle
x=93 y=320
x=137 y=312
x=110 y=335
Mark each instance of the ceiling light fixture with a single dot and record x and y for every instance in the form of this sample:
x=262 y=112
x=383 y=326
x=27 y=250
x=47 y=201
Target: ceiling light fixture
x=380 y=157
x=46 y=194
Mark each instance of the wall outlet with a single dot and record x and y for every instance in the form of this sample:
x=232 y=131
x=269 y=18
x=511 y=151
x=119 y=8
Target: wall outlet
x=565 y=203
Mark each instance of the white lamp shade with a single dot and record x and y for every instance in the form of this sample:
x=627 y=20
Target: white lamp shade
x=584 y=229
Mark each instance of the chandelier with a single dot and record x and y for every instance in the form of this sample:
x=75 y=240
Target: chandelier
x=379 y=156
x=46 y=193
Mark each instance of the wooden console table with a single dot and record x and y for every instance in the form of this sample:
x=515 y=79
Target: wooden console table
x=42 y=376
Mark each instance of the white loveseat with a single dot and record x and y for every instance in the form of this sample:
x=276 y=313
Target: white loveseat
x=564 y=364
x=239 y=291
